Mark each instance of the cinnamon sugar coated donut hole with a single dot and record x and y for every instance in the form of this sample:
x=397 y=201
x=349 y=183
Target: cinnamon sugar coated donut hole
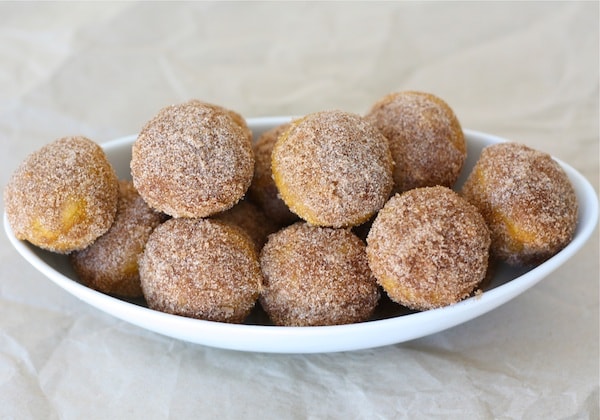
x=527 y=201
x=316 y=276
x=428 y=248
x=426 y=139
x=250 y=219
x=263 y=190
x=110 y=264
x=332 y=168
x=63 y=196
x=193 y=160
x=201 y=268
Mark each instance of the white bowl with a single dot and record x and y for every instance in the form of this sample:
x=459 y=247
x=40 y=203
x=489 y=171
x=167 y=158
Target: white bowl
x=391 y=323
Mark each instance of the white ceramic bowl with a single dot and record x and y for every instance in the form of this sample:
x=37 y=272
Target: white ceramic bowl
x=391 y=323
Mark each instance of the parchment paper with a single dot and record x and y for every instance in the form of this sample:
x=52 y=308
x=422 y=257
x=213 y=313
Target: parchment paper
x=525 y=71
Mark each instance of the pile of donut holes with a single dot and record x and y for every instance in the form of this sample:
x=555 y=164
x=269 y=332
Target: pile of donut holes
x=315 y=219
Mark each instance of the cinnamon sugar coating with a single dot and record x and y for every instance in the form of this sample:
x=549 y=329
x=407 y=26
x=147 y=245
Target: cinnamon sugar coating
x=316 y=276
x=110 y=264
x=426 y=139
x=193 y=160
x=201 y=268
x=428 y=248
x=333 y=168
x=263 y=190
x=527 y=201
x=63 y=196
x=236 y=117
x=251 y=219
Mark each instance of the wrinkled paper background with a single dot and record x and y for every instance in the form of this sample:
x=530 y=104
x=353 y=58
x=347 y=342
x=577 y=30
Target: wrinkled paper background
x=525 y=71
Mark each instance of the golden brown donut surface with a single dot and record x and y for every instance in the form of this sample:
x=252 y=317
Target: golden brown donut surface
x=316 y=276
x=426 y=139
x=333 y=168
x=251 y=219
x=263 y=190
x=200 y=268
x=236 y=117
x=527 y=200
x=63 y=196
x=428 y=248
x=192 y=160
x=110 y=264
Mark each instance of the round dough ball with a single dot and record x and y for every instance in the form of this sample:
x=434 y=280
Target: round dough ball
x=201 y=268
x=316 y=276
x=428 y=248
x=63 y=196
x=193 y=160
x=332 y=168
x=426 y=139
x=527 y=201
x=263 y=190
x=251 y=219
x=110 y=264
